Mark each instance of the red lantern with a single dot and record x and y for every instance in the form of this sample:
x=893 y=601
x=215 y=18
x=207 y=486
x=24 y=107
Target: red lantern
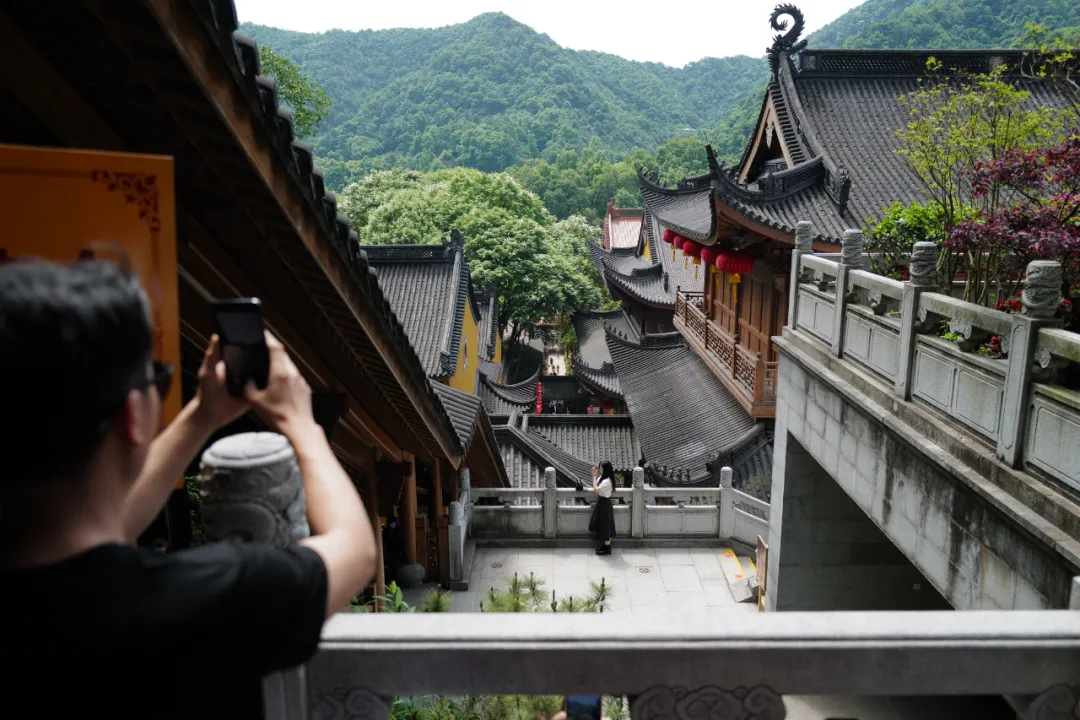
x=678 y=241
x=709 y=255
x=733 y=262
x=668 y=236
x=539 y=398
x=692 y=249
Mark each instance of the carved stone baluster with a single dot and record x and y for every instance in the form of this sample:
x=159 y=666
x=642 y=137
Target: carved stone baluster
x=913 y=321
x=804 y=245
x=1041 y=298
x=851 y=259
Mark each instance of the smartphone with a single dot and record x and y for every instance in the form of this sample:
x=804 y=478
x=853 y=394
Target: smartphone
x=584 y=707
x=239 y=325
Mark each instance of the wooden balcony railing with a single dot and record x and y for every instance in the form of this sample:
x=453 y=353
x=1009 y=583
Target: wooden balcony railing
x=746 y=373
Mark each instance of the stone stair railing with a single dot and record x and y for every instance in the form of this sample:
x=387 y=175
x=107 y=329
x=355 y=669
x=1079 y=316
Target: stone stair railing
x=890 y=329
x=697 y=513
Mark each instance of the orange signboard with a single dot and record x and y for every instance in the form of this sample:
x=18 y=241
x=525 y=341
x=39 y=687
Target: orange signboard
x=61 y=204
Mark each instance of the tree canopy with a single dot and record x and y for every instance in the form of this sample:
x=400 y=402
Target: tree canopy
x=307 y=100
x=539 y=265
x=491 y=93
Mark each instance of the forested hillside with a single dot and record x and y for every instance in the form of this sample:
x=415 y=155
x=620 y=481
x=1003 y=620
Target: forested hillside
x=944 y=23
x=491 y=93
x=494 y=95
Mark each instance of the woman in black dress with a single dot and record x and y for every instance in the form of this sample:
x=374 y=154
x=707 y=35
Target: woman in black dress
x=603 y=519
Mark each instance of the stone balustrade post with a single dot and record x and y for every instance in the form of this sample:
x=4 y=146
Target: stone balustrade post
x=551 y=504
x=804 y=245
x=851 y=250
x=457 y=541
x=922 y=270
x=465 y=496
x=1041 y=299
x=252 y=491
x=637 y=505
x=727 y=504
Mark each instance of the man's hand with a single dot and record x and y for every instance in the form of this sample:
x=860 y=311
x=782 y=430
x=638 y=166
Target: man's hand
x=215 y=406
x=285 y=404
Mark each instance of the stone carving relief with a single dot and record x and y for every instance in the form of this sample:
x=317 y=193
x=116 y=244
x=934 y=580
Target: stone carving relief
x=252 y=490
x=971 y=337
x=1042 y=289
x=349 y=704
x=851 y=249
x=710 y=703
x=1045 y=367
x=1061 y=702
x=923 y=266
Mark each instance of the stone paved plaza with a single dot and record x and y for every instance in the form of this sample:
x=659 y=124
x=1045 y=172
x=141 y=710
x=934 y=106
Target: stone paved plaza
x=643 y=580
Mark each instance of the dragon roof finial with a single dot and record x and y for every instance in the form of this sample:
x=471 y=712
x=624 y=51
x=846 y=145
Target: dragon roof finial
x=785 y=42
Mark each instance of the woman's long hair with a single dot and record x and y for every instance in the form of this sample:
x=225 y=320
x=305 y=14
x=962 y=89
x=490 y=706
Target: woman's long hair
x=606 y=471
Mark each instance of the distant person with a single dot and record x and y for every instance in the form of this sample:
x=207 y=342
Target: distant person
x=603 y=518
x=97 y=625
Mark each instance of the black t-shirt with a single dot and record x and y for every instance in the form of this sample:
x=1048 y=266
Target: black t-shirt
x=125 y=632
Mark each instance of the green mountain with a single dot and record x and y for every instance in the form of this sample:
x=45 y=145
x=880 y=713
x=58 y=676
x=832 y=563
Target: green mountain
x=491 y=93
x=943 y=23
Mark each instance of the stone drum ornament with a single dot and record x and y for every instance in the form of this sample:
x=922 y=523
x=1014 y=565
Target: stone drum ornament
x=252 y=491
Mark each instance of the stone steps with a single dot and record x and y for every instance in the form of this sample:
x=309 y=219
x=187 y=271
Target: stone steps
x=737 y=576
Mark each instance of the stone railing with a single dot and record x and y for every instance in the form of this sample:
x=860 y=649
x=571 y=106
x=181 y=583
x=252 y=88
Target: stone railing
x=744 y=372
x=891 y=329
x=640 y=512
x=689 y=665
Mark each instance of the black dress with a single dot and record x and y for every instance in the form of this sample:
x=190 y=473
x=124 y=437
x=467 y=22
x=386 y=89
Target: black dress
x=603 y=520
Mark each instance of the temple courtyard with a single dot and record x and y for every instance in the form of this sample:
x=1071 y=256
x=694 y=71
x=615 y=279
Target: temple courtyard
x=643 y=580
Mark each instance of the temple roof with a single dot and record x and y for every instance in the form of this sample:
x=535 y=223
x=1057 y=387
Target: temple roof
x=835 y=114
x=684 y=416
x=593 y=364
x=592 y=438
x=502 y=399
x=621 y=228
x=489 y=324
x=653 y=283
x=687 y=210
x=467 y=415
x=428 y=287
x=526 y=453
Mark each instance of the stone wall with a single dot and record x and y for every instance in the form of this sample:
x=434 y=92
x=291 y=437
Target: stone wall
x=834 y=557
x=970 y=546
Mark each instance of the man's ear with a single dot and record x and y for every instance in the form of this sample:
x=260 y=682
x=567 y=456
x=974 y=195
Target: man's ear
x=134 y=426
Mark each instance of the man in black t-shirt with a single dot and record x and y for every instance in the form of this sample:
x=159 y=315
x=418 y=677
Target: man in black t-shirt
x=92 y=624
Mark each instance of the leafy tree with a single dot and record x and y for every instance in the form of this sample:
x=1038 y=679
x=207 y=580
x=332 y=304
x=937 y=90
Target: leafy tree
x=893 y=237
x=1039 y=220
x=307 y=100
x=540 y=266
x=956 y=125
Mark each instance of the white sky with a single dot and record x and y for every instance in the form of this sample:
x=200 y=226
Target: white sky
x=674 y=32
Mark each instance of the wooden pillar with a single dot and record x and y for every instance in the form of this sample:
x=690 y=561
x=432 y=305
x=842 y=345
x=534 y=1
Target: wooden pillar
x=442 y=536
x=437 y=488
x=371 y=493
x=408 y=512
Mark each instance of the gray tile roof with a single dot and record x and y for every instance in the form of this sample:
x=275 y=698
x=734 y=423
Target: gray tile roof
x=621 y=228
x=592 y=438
x=684 y=416
x=526 y=453
x=601 y=381
x=838 y=113
x=490 y=370
x=593 y=364
x=687 y=210
x=428 y=287
x=651 y=283
x=489 y=324
x=501 y=399
x=464 y=411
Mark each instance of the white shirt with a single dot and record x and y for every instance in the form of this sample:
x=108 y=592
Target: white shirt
x=605 y=488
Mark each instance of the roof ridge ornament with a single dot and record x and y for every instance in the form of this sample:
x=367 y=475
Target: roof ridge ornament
x=785 y=43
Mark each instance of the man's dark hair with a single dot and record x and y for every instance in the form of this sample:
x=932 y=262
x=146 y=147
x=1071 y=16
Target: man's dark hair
x=74 y=339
